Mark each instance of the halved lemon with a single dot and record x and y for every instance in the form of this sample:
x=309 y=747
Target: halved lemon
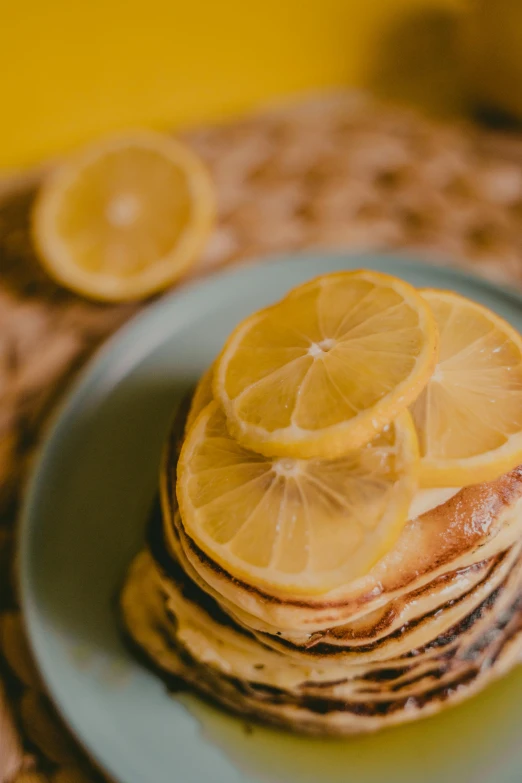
x=469 y=416
x=201 y=398
x=124 y=218
x=326 y=368
x=291 y=525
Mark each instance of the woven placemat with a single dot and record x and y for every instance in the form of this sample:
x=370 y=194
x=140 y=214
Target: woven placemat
x=334 y=171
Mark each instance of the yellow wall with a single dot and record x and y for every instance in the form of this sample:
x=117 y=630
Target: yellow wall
x=73 y=69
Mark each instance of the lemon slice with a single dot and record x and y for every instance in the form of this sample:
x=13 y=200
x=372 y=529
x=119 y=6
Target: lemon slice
x=469 y=417
x=296 y=526
x=124 y=218
x=201 y=397
x=325 y=369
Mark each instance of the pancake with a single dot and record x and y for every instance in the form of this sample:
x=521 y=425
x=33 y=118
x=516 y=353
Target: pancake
x=474 y=525
x=395 y=627
x=434 y=621
x=182 y=637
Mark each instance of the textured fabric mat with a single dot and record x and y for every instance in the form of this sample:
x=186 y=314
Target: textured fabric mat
x=334 y=171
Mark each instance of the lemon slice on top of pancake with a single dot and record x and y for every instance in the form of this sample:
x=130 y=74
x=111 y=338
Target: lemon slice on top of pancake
x=469 y=416
x=291 y=525
x=326 y=368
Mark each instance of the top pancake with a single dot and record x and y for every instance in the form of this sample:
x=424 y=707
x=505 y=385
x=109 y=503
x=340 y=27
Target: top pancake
x=474 y=525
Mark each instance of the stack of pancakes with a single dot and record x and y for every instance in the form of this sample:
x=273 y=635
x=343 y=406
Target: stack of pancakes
x=436 y=619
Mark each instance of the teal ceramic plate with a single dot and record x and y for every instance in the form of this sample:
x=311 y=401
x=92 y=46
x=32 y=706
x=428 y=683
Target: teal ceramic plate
x=84 y=518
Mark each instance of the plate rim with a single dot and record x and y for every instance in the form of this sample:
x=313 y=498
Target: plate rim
x=51 y=435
